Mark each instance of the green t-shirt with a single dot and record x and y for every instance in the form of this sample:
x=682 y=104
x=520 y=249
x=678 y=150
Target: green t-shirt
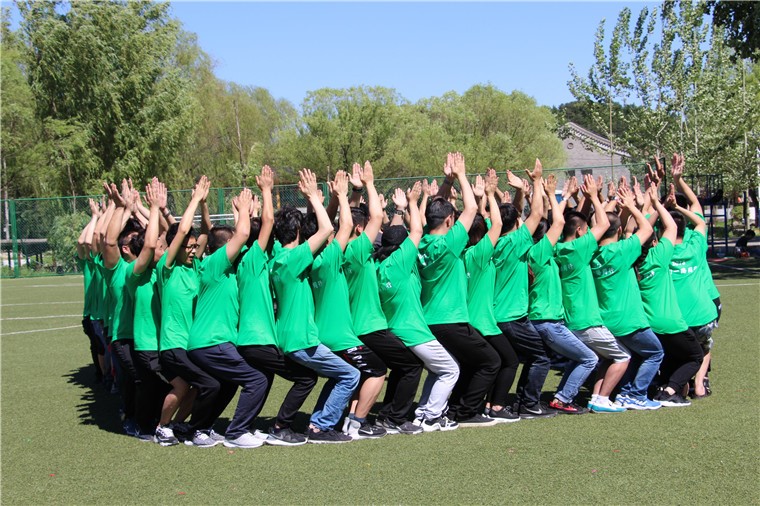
x=617 y=289
x=123 y=305
x=545 y=297
x=694 y=298
x=296 y=329
x=216 y=314
x=256 y=325
x=361 y=275
x=481 y=278
x=179 y=295
x=705 y=274
x=330 y=290
x=98 y=288
x=511 y=261
x=443 y=276
x=107 y=302
x=657 y=291
x=147 y=306
x=86 y=267
x=399 y=283
x=578 y=290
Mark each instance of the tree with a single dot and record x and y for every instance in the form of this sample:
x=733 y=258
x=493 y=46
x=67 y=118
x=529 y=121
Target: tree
x=741 y=21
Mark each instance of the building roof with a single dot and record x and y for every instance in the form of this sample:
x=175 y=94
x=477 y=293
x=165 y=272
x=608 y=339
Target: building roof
x=593 y=139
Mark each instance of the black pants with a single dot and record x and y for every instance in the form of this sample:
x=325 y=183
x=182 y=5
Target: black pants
x=210 y=395
x=122 y=348
x=507 y=372
x=533 y=353
x=683 y=358
x=151 y=390
x=270 y=361
x=225 y=363
x=406 y=371
x=93 y=329
x=479 y=363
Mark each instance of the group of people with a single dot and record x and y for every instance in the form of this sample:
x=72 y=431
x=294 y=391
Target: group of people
x=465 y=285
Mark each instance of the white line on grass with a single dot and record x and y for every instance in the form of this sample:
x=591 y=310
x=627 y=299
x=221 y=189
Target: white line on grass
x=42 y=303
x=741 y=284
x=42 y=317
x=38 y=330
x=54 y=286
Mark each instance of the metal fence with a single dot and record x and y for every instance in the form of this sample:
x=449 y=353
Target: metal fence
x=39 y=235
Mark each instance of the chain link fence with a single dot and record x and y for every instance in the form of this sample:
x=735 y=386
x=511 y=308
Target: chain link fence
x=39 y=236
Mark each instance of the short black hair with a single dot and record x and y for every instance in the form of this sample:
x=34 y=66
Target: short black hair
x=171 y=233
x=614 y=225
x=573 y=220
x=360 y=216
x=309 y=226
x=541 y=229
x=477 y=230
x=509 y=216
x=437 y=211
x=255 y=231
x=680 y=223
x=287 y=224
x=218 y=236
x=392 y=238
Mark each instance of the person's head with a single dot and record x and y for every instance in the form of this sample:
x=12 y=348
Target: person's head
x=749 y=234
x=680 y=223
x=477 y=230
x=681 y=200
x=541 y=230
x=287 y=224
x=187 y=252
x=440 y=213
x=576 y=225
x=390 y=242
x=160 y=248
x=131 y=243
x=509 y=217
x=310 y=227
x=359 y=217
x=218 y=236
x=614 y=230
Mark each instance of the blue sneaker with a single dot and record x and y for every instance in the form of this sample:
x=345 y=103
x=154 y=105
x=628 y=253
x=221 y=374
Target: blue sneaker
x=605 y=406
x=130 y=427
x=644 y=404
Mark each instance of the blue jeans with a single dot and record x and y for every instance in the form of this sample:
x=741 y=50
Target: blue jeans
x=343 y=380
x=582 y=359
x=646 y=356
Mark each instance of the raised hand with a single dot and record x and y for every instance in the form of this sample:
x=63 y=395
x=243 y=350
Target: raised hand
x=200 y=192
x=637 y=192
x=491 y=182
x=623 y=183
x=574 y=187
x=626 y=198
x=399 y=198
x=448 y=167
x=550 y=186
x=660 y=169
x=589 y=187
x=383 y=202
x=368 y=176
x=514 y=181
x=479 y=187
x=255 y=206
x=151 y=193
x=93 y=207
x=244 y=201
x=652 y=191
x=434 y=188
x=538 y=171
x=454 y=195
x=356 y=176
x=670 y=200
x=265 y=180
x=677 y=164
x=611 y=190
x=308 y=184
x=118 y=200
x=413 y=194
x=426 y=188
x=458 y=167
x=340 y=185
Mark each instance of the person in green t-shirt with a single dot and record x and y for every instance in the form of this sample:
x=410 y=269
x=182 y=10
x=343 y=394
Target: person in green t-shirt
x=620 y=302
x=573 y=255
x=547 y=313
x=297 y=333
x=92 y=323
x=683 y=355
x=481 y=278
x=692 y=277
x=443 y=294
x=257 y=335
x=330 y=290
x=214 y=331
x=399 y=285
x=511 y=296
x=369 y=321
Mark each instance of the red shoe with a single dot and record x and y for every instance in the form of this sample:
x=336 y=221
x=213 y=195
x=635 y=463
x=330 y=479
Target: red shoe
x=567 y=408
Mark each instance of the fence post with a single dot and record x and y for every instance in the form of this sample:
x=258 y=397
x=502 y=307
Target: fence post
x=220 y=200
x=14 y=238
x=325 y=193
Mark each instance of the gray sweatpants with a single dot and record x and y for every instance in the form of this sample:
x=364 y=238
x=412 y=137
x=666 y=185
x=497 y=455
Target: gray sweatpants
x=443 y=372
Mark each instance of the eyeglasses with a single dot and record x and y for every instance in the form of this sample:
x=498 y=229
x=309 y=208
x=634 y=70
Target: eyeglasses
x=191 y=246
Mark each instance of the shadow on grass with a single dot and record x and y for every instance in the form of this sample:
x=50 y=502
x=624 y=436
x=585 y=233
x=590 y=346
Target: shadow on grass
x=735 y=268
x=97 y=406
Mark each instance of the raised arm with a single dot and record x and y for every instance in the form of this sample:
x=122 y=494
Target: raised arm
x=415 y=219
x=111 y=252
x=558 y=218
x=682 y=186
x=400 y=201
x=156 y=197
x=339 y=190
x=699 y=224
x=628 y=201
x=357 y=186
x=537 y=204
x=265 y=182
x=308 y=186
x=85 y=238
x=601 y=222
x=243 y=226
x=517 y=183
x=668 y=224
x=186 y=222
x=428 y=190
x=375 y=211
x=491 y=185
x=470 y=208
x=206 y=225
x=479 y=190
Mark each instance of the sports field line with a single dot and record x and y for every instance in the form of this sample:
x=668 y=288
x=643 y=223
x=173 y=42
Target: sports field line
x=41 y=317
x=713 y=264
x=42 y=303
x=54 y=286
x=38 y=330
x=741 y=284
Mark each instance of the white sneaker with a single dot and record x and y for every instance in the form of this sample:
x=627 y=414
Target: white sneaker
x=247 y=440
x=351 y=428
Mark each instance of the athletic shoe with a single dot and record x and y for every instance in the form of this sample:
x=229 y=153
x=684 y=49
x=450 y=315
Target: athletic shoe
x=260 y=434
x=504 y=415
x=567 y=408
x=328 y=437
x=246 y=440
x=671 y=401
x=145 y=438
x=284 y=437
x=447 y=424
x=538 y=410
x=216 y=436
x=182 y=432
x=629 y=402
x=391 y=428
x=130 y=427
x=605 y=406
x=478 y=421
x=165 y=436
x=201 y=439
x=367 y=430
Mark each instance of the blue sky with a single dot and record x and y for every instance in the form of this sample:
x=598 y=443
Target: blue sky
x=421 y=49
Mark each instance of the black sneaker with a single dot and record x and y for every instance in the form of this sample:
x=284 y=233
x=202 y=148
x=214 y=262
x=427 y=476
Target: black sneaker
x=477 y=421
x=164 y=436
x=504 y=415
x=538 y=410
x=328 y=437
x=367 y=430
x=673 y=401
x=567 y=408
x=284 y=437
x=407 y=427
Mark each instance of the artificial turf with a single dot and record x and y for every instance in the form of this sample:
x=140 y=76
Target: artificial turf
x=62 y=440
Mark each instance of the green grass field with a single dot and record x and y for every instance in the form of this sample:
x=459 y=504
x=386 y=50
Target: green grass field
x=61 y=439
